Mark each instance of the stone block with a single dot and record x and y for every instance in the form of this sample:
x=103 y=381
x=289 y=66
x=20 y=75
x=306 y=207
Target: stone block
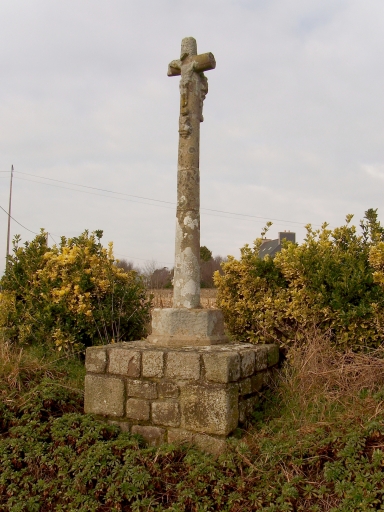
x=257 y=381
x=137 y=409
x=273 y=355
x=123 y=361
x=96 y=359
x=180 y=327
x=124 y=426
x=180 y=436
x=142 y=389
x=261 y=357
x=209 y=444
x=246 y=408
x=166 y=413
x=209 y=409
x=183 y=365
x=154 y=436
x=168 y=389
x=222 y=366
x=104 y=395
x=268 y=377
x=153 y=363
x=247 y=362
x=245 y=386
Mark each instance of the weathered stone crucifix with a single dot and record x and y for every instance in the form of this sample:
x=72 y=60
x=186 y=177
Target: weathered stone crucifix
x=193 y=89
x=187 y=382
x=186 y=323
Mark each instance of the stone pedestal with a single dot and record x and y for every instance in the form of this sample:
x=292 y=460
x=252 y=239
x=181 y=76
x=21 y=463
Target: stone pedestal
x=197 y=395
x=181 y=327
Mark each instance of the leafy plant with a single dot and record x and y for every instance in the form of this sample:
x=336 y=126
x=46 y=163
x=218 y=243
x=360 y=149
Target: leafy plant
x=327 y=282
x=71 y=295
x=317 y=446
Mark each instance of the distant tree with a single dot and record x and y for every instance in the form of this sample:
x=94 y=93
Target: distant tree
x=156 y=277
x=126 y=265
x=161 y=278
x=147 y=271
x=207 y=269
x=205 y=254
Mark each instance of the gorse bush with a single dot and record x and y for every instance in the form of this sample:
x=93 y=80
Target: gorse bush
x=334 y=280
x=70 y=295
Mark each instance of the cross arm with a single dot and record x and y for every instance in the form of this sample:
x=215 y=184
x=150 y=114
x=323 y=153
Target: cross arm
x=201 y=63
x=174 y=68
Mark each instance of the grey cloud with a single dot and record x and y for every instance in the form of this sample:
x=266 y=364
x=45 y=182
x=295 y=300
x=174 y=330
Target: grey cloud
x=294 y=111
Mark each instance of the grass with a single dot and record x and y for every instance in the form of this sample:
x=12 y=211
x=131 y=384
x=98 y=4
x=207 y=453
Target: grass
x=162 y=298
x=317 y=443
x=23 y=369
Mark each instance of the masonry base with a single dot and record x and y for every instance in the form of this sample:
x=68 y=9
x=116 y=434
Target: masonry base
x=196 y=395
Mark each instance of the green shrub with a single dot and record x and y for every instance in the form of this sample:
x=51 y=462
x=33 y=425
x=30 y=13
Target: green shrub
x=71 y=295
x=52 y=457
x=327 y=282
x=317 y=446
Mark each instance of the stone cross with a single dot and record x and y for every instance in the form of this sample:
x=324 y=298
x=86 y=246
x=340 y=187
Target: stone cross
x=187 y=382
x=193 y=89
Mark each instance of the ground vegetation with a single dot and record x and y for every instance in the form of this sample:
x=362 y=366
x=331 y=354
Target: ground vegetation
x=316 y=444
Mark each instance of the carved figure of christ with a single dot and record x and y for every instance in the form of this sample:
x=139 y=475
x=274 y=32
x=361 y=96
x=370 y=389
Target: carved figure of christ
x=193 y=89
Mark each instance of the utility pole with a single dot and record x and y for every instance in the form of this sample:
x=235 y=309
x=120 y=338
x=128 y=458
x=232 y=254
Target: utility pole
x=9 y=212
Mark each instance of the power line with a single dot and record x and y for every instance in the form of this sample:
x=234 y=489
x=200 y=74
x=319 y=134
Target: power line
x=118 y=198
x=17 y=222
x=96 y=194
x=142 y=259
x=244 y=215
x=95 y=188
x=248 y=217
x=258 y=217
x=49 y=234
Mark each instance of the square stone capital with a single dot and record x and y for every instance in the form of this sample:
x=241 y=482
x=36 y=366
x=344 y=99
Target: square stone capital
x=182 y=327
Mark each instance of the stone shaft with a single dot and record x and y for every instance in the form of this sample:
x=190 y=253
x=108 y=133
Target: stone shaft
x=193 y=89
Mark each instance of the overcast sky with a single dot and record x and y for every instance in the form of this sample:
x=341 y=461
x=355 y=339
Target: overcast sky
x=293 y=130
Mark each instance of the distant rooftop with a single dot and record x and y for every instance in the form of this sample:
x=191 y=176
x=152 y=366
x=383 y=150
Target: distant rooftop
x=271 y=247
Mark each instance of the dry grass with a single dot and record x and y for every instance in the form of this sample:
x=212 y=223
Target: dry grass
x=317 y=379
x=163 y=298
x=320 y=398
x=21 y=369
x=317 y=366
x=18 y=369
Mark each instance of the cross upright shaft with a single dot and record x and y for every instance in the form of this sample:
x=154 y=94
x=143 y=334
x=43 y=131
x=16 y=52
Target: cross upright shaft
x=193 y=89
